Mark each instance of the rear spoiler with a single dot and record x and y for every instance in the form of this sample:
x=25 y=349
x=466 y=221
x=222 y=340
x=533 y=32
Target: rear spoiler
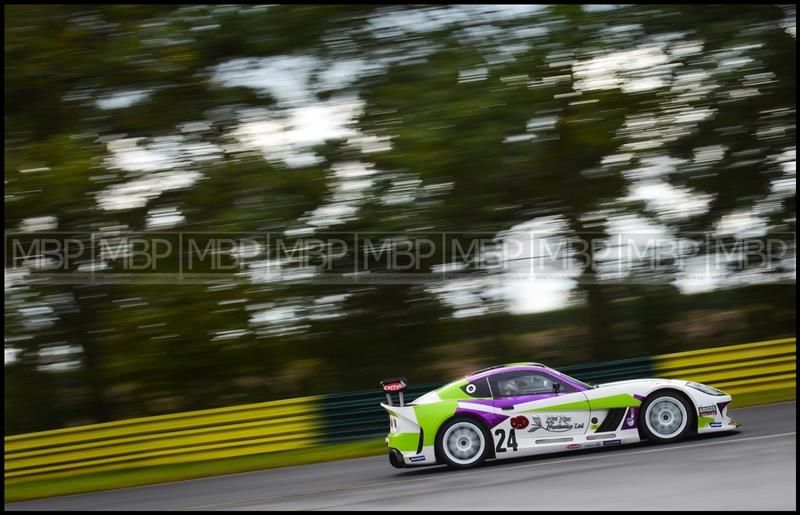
x=397 y=384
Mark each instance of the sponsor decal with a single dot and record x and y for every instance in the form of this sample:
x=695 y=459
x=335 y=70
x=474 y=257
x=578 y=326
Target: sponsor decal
x=612 y=442
x=594 y=426
x=630 y=418
x=707 y=410
x=416 y=458
x=519 y=422
x=574 y=446
x=553 y=424
x=715 y=424
x=591 y=444
x=558 y=424
x=394 y=387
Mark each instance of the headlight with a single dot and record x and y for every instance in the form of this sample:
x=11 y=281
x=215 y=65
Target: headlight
x=706 y=389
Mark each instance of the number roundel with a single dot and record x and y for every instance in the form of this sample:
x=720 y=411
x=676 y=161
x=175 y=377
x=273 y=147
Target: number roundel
x=502 y=445
x=471 y=388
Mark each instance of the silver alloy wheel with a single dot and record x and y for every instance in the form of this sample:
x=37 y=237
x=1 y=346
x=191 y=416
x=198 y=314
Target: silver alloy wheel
x=666 y=417
x=463 y=443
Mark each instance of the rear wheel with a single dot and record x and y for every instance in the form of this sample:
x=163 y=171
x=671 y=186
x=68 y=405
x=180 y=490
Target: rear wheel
x=462 y=443
x=666 y=417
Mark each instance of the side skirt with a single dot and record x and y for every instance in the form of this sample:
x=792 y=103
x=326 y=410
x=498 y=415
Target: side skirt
x=575 y=442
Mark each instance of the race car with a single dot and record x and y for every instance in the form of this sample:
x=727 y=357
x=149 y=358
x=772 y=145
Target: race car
x=522 y=409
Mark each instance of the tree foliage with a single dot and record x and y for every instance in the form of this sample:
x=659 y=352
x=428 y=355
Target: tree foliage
x=481 y=119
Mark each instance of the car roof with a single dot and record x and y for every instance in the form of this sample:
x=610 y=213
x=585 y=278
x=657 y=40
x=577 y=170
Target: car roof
x=499 y=368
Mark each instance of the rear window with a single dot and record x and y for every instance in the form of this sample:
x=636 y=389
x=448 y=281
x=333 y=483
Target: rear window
x=478 y=388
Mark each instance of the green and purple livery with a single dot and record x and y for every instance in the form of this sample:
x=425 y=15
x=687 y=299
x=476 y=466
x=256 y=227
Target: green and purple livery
x=524 y=409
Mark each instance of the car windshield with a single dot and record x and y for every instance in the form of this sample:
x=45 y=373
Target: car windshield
x=585 y=385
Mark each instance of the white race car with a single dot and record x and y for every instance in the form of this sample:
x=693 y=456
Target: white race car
x=523 y=409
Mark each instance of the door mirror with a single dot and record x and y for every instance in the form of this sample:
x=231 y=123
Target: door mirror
x=556 y=388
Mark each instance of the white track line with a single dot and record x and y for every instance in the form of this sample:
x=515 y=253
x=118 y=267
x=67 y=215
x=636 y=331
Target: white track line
x=484 y=472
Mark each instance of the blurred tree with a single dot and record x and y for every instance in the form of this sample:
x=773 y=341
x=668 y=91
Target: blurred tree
x=494 y=117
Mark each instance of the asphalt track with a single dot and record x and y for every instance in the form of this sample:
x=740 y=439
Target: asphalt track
x=753 y=469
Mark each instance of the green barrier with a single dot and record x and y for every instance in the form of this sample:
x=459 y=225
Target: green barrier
x=358 y=415
x=161 y=440
x=753 y=373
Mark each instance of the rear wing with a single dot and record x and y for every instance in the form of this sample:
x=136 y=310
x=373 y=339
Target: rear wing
x=397 y=384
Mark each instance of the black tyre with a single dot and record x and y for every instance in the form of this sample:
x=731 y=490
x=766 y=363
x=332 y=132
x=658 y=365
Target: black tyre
x=666 y=417
x=462 y=443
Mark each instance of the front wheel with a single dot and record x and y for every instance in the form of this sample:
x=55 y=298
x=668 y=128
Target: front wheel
x=666 y=417
x=462 y=443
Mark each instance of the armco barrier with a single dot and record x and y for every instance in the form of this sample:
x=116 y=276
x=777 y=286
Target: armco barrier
x=740 y=370
x=356 y=415
x=755 y=369
x=182 y=437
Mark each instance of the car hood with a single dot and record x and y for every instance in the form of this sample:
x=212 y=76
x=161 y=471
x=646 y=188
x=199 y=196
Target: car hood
x=675 y=382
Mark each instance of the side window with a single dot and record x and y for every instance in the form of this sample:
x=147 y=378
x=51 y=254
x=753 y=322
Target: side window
x=478 y=389
x=525 y=382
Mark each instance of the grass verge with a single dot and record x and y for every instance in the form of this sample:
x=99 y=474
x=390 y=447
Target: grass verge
x=21 y=491
x=743 y=400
